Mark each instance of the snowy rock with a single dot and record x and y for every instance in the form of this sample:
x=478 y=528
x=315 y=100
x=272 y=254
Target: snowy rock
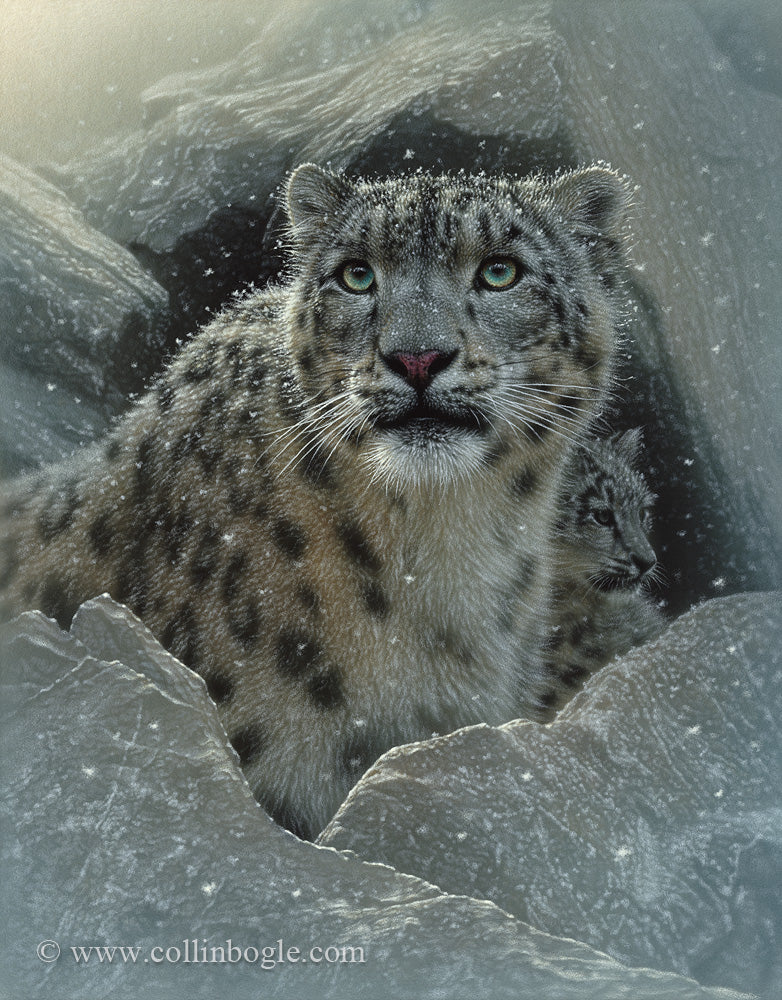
x=645 y=820
x=74 y=305
x=126 y=822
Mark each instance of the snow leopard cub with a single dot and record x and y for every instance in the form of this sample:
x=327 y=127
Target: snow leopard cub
x=603 y=559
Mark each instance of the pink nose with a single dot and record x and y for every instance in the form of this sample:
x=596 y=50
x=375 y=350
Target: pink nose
x=418 y=369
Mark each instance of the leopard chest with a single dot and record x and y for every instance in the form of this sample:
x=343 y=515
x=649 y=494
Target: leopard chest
x=424 y=608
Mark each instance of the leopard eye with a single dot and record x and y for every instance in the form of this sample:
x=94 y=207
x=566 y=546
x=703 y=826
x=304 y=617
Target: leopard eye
x=357 y=276
x=603 y=516
x=498 y=273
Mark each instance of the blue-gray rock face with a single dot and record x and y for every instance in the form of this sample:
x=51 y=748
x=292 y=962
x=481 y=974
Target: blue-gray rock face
x=126 y=821
x=645 y=820
x=673 y=101
x=526 y=86
x=72 y=301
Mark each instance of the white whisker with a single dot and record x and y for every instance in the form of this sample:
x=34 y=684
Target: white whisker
x=537 y=420
x=320 y=416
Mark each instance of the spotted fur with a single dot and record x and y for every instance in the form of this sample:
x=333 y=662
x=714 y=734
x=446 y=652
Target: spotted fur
x=603 y=560
x=338 y=507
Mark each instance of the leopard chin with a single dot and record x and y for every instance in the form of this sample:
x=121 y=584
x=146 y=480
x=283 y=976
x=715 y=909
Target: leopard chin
x=425 y=455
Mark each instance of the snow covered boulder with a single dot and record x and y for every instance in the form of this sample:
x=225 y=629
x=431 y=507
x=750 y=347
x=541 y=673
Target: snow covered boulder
x=644 y=821
x=79 y=313
x=136 y=862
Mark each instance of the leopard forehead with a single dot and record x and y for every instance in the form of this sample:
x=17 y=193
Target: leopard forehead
x=564 y=230
x=439 y=221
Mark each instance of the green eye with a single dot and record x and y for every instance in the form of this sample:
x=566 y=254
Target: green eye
x=498 y=273
x=603 y=516
x=357 y=276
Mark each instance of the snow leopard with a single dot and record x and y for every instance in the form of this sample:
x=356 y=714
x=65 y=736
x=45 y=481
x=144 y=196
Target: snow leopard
x=603 y=560
x=336 y=504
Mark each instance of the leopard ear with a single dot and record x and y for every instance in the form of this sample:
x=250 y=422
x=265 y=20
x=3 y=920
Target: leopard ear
x=592 y=202
x=312 y=196
x=593 y=198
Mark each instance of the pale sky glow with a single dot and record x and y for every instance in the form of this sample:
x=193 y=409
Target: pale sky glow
x=71 y=71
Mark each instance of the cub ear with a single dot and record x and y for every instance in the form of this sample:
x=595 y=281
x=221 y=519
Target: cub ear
x=312 y=195
x=594 y=198
x=629 y=444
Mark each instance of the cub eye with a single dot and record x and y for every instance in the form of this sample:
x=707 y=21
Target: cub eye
x=603 y=516
x=498 y=273
x=357 y=276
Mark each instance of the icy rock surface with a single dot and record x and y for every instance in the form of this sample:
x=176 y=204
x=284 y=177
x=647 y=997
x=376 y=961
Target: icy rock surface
x=126 y=821
x=70 y=298
x=645 y=820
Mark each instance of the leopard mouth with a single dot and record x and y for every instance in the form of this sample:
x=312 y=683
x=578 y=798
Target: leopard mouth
x=424 y=421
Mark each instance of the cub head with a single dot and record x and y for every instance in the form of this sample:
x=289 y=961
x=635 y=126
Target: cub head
x=443 y=322
x=606 y=513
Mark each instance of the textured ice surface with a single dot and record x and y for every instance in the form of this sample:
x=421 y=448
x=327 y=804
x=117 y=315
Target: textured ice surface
x=645 y=820
x=69 y=295
x=126 y=821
